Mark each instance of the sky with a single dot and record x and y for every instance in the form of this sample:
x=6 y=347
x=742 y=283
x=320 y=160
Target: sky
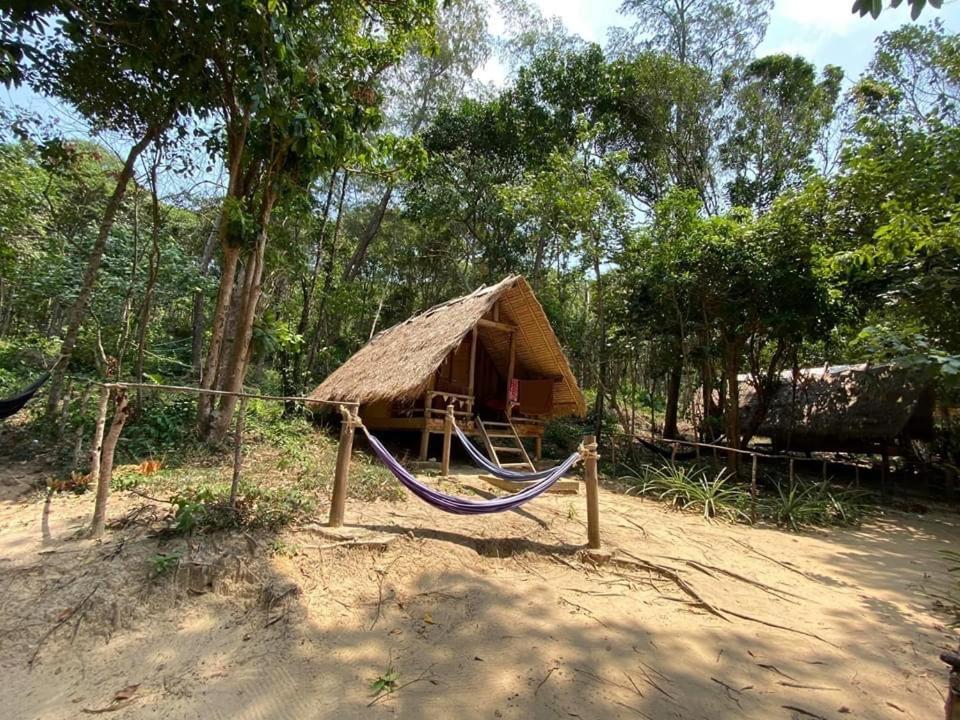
x=825 y=32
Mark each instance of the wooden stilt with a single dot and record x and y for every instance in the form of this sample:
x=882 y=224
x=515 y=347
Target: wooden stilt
x=424 y=443
x=791 y=471
x=237 y=452
x=823 y=472
x=593 y=491
x=342 y=472
x=673 y=452
x=538 y=447
x=96 y=447
x=448 y=420
x=753 y=488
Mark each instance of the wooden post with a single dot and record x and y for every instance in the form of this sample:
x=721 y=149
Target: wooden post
x=510 y=368
x=696 y=449
x=673 y=452
x=97 y=446
x=448 y=421
x=237 y=452
x=791 y=471
x=593 y=491
x=342 y=473
x=824 y=471
x=753 y=489
x=538 y=448
x=473 y=361
x=856 y=477
x=106 y=464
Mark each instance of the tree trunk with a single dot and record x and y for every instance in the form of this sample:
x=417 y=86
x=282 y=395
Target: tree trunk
x=106 y=463
x=236 y=369
x=673 y=402
x=197 y=314
x=154 y=270
x=205 y=404
x=315 y=336
x=309 y=289
x=78 y=310
x=369 y=233
x=601 y=328
x=731 y=356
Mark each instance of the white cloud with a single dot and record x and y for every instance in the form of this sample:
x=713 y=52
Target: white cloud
x=833 y=16
x=575 y=14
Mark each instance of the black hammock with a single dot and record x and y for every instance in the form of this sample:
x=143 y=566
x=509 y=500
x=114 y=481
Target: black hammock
x=12 y=405
x=663 y=452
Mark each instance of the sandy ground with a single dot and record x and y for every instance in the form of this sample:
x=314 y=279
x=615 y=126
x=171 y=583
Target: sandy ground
x=489 y=617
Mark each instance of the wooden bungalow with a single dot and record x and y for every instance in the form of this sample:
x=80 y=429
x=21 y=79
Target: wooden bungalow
x=491 y=355
x=854 y=408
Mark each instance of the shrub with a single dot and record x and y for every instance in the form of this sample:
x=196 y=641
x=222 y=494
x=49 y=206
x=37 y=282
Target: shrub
x=797 y=505
x=692 y=488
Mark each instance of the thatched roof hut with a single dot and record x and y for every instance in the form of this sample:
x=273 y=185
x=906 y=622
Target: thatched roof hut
x=401 y=363
x=846 y=407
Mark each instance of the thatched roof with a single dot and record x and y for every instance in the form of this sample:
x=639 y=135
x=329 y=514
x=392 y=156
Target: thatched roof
x=398 y=363
x=864 y=403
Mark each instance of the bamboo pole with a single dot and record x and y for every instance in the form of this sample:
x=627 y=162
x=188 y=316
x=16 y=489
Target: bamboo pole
x=342 y=472
x=448 y=421
x=206 y=391
x=593 y=491
x=97 y=446
x=237 y=452
x=753 y=489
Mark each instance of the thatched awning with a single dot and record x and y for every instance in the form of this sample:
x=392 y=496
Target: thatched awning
x=835 y=405
x=399 y=362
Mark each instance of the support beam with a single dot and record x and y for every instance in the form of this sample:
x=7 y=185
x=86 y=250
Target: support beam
x=473 y=361
x=342 y=473
x=590 y=462
x=496 y=325
x=511 y=366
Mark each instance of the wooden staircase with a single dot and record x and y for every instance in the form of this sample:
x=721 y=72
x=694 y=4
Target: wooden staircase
x=501 y=438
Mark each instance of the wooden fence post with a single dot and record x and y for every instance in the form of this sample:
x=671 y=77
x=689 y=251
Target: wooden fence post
x=590 y=462
x=97 y=446
x=342 y=472
x=237 y=452
x=753 y=489
x=105 y=476
x=448 y=420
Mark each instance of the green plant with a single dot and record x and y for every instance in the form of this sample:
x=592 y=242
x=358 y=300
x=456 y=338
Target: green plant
x=797 y=505
x=163 y=563
x=386 y=682
x=691 y=487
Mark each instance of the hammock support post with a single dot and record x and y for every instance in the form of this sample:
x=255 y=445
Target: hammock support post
x=590 y=460
x=448 y=421
x=342 y=472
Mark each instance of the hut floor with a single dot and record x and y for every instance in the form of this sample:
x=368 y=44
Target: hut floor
x=499 y=616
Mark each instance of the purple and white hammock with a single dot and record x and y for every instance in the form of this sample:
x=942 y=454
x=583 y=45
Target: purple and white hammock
x=462 y=506
x=503 y=473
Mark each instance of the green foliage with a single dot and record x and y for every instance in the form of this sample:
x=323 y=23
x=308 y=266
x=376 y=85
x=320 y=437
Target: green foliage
x=386 y=682
x=164 y=563
x=799 y=504
x=693 y=488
